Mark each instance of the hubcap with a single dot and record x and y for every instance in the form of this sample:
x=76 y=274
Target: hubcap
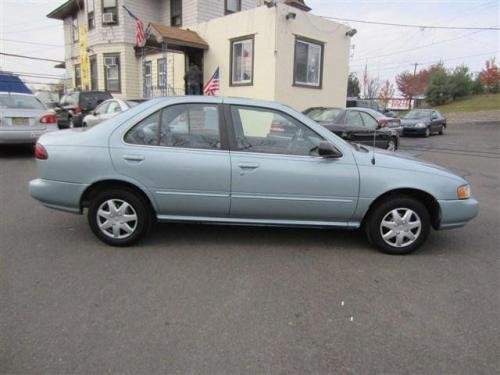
x=400 y=227
x=391 y=146
x=116 y=218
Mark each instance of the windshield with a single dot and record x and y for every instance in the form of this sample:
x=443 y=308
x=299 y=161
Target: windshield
x=323 y=114
x=415 y=114
x=20 y=101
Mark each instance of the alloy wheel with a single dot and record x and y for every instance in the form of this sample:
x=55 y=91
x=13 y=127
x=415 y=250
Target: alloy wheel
x=391 y=145
x=117 y=219
x=400 y=227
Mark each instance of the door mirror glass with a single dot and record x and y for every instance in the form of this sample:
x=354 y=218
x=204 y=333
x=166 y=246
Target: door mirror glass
x=327 y=150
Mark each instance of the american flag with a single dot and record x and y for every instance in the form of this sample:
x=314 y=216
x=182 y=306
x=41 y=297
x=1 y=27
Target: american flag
x=212 y=86
x=140 y=36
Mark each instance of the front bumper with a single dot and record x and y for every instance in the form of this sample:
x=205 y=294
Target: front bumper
x=414 y=131
x=60 y=195
x=456 y=213
x=15 y=136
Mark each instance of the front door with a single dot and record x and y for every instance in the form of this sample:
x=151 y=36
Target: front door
x=278 y=175
x=177 y=154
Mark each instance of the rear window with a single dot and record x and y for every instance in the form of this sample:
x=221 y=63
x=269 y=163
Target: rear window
x=20 y=101
x=323 y=114
x=91 y=100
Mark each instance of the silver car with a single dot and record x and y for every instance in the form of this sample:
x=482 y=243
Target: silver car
x=107 y=110
x=219 y=160
x=24 y=118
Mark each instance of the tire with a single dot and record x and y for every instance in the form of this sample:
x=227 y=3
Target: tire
x=398 y=240
x=71 y=124
x=116 y=232
x=427 y=133
x=441 y=132
x=392 y=145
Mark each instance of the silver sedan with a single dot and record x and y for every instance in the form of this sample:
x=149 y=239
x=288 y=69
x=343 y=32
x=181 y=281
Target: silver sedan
x=107 y=110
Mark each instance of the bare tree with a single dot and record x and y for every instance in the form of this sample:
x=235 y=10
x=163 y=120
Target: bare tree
x=371 y=86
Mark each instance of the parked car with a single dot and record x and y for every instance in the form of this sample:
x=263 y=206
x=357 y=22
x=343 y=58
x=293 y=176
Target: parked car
x=224 y=167
x=108 y=109
x=74 y=107
x=423 y=122
x=358 y=125
x=372 y=104
x=23 y=118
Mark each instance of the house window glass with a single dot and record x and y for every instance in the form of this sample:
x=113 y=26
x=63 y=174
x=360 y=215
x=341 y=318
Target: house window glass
x=242 y=62
x=148 y=70
x=74 y=29
x=112 y=72
x=109 y=12
x=176 y=12
x=308 y=63
x=93 y=73
x=78 y=76
x=90 y=14
x=162 y=74
x=232 y=6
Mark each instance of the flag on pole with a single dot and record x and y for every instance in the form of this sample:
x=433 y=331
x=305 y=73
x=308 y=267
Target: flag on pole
x=212 y=86
x=140 y=36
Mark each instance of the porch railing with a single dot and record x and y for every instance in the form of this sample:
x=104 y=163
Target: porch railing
x=168 y=90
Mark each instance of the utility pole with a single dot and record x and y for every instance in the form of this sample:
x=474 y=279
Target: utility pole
x=414 y=75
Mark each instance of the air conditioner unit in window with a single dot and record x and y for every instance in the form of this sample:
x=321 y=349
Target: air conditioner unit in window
x=108 y=18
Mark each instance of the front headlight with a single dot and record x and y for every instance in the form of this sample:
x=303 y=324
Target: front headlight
x=420 y=125
x=463 y=192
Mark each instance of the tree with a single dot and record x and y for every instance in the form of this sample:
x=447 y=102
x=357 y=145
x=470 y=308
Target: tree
x=371 y=86
x=477 y=85
x=353 y=88
x=415 y=84
x=386 y=92
x=490 y=76
x=460 y=82
x=438 y=91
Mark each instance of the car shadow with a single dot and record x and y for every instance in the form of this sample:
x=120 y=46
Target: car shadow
x=16 y=151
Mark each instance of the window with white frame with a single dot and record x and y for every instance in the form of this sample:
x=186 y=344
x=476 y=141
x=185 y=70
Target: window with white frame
x=242 y=51
x=308 y=63
x=112 y=72
x=74 y=29
x=78 y=76
x=109 y=12
x=162 y=73
x=90 y=14
x=232 y=6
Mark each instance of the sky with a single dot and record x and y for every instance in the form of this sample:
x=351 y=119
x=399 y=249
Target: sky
x=385 y=50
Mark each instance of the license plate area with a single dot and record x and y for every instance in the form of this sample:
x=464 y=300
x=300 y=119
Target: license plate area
x=20 y=121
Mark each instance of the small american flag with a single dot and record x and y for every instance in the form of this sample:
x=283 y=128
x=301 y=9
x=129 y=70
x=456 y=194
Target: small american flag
x=212 y=86
x=140 y=36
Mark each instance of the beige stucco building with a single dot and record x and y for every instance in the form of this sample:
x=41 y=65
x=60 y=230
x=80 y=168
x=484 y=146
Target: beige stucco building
x=276 y=52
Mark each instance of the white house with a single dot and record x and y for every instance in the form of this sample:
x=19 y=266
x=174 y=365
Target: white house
x=264 y=49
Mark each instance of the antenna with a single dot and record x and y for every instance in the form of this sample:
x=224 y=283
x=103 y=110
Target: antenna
x=373 y=150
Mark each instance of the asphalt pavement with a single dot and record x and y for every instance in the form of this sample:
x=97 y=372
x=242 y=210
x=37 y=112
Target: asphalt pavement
x=206 y=299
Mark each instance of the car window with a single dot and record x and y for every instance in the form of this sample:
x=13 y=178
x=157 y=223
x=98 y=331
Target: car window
x=20 y=102
x=369 y=121
x=417 y=114
x=323 y=114
x=268 y=131
x=101 y=109
x=113 y=107
x=145 y=132
x=353 y=118
x=190 y=126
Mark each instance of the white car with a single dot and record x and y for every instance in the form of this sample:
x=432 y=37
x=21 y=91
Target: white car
x=108 y=109
x=24 y=118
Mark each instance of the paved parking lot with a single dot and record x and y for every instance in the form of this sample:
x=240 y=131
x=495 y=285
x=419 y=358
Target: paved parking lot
x=231 y=300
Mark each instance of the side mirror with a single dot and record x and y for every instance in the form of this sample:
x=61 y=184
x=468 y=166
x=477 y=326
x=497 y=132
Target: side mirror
x=326 y=150
x=434 y=117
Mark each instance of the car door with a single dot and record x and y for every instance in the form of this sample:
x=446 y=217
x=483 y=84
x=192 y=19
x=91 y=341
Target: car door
x=435 y=121
x=178 y=154
x=356 y=129
x=371 y=125
x=281 y=177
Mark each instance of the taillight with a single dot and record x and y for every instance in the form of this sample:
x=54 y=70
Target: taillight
x=41 y=152
x=49 y=118
x=78 y=110
x=382 y=122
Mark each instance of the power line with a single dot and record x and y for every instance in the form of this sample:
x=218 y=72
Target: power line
x=30 y=57
x=417 y=26
x=32 y=43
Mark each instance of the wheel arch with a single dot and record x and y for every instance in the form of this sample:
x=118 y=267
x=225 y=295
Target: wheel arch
x=100 y=185
x=427 y=199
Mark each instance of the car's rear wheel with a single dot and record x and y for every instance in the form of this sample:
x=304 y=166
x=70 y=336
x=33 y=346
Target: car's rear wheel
x=399 y=225
x=441 y=132
x=392 y=144
x=71 y=124
x=119 y=217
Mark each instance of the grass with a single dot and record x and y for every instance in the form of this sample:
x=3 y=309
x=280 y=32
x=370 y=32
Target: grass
x=485 y=102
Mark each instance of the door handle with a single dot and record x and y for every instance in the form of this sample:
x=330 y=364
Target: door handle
x=134 y=157
x=248 y=165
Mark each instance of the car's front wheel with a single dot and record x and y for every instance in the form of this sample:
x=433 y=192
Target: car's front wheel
x=398 y=225
x=427 y=132
x=119 y=217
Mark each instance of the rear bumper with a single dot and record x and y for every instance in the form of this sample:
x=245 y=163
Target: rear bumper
x=14 y=136
x=456 y=213
x=397 y=129
x=63 y=196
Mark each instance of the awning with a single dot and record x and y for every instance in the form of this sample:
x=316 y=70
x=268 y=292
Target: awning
x=177 y=37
